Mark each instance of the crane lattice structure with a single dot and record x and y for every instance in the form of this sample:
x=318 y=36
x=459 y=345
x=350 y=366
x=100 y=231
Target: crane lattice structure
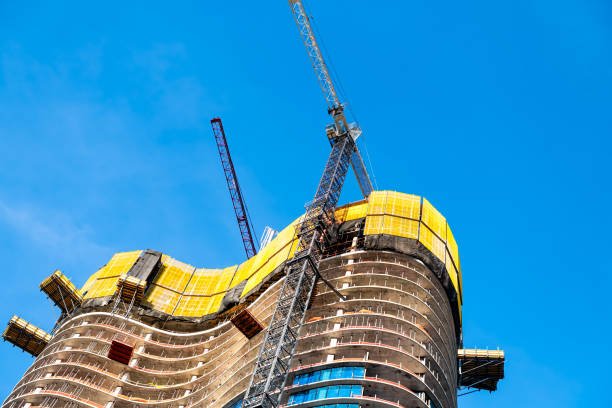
x=242 y=214
x=278 y=347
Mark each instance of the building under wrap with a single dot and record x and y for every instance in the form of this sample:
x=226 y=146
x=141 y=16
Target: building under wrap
x=147 y=330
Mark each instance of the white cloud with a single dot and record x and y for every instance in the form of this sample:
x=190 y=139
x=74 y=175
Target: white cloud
x=52 y=232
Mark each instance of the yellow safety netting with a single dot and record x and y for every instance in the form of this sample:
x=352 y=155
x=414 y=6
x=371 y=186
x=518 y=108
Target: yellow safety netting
x=104 y=282
x=410 y=216
x=180 y=289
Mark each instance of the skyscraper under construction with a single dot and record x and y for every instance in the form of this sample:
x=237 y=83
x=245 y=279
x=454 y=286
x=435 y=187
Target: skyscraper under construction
x=347 y=307
x=149 y=330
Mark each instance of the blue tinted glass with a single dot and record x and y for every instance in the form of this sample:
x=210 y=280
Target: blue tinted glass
x=336 y=373
x=358 y=372
x=329 y=374
x=345 y=391
x=333 y=391
x=236 y=404
x=295 y=398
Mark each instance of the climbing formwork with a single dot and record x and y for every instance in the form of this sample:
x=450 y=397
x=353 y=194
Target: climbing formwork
x=62 y=292
x=26 y=336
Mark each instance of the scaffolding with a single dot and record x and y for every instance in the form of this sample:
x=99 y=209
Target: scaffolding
x=62 y=292
x=480 y=369
x=26 y=336
x=131 y=289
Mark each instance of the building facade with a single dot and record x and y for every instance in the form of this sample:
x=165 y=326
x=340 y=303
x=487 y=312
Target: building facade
x=155 y=332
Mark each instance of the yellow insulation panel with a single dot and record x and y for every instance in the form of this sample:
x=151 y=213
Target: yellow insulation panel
x=403 y=205
x=454 y=276
x=433 y=243
x=374 y=224
x=401 y=227
x=182 y=290
x=198 y=306
x=193 y=306
x=92 y=279
x=120 y=264
x=173 y=274
x=351 y=212
x=273 y=262
x=210 y=281
x=376 y=202
x=243 y=272
x=102 y=287
x=161 y=298
x=434 y=220
x=410 y=216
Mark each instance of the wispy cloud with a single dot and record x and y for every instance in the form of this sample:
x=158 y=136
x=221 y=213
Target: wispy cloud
x=52 y=232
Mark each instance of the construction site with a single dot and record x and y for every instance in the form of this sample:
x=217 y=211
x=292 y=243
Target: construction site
x=349 y=306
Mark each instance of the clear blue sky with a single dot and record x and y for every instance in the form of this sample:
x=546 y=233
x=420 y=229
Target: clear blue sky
x=497 y=111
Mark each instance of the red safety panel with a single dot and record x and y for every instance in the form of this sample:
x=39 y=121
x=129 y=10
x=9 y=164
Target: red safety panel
x=120 y=352
x=247 y=323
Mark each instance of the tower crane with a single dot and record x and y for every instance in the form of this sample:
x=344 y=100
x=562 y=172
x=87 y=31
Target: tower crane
x=278 y=347
x=242 y=214
x=334 y=107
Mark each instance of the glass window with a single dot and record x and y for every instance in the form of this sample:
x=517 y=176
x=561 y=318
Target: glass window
x=329 y=374
x=359 y=372
x=236 y=404
x=333 y=391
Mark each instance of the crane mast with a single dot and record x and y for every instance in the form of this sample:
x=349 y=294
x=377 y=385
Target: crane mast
x=242 y=215
x=301 y=272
